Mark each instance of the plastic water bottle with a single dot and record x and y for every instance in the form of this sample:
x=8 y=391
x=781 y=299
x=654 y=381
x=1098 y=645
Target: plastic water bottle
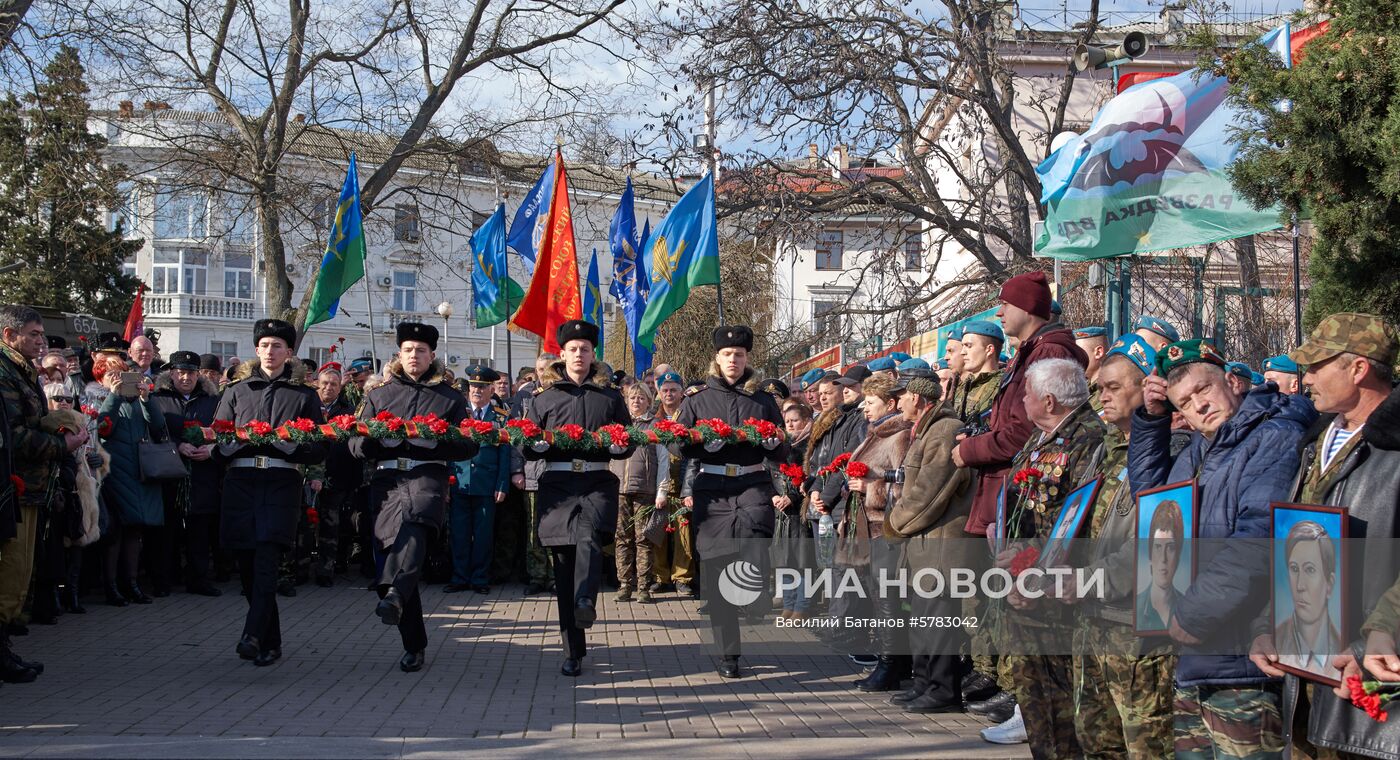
x=825 y=525
x=826 y=541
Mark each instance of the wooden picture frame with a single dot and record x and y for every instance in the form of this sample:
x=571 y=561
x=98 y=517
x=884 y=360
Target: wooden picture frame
x=1147 y=617
x=1294 y=528
x=1074 y=515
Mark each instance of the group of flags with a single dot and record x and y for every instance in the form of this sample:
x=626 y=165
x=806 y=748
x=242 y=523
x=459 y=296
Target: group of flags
x=684 y=254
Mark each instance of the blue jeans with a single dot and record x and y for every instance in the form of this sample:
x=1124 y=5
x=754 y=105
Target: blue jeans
x=471 y=522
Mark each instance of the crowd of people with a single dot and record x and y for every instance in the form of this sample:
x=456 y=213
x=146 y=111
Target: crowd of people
x=889 y=465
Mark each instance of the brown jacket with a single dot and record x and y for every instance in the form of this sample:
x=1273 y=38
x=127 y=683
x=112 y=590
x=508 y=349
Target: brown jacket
x=937 y=495
x=883 y=451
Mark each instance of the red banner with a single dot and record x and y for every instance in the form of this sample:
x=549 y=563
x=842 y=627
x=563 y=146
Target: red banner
x=553 y=296
x=828 y=359
x=136 y=318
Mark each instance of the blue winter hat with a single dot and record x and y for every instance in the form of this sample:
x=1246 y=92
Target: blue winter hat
x=881 y=364
x=986 y=329
x=1143 y=356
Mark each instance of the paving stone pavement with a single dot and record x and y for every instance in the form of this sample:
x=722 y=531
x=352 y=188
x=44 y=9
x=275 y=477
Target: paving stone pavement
x=163 y=681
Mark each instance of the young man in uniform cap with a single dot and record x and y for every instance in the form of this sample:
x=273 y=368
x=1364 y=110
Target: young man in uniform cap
x=732 y=489
x=1244 y=457
x=482 y=483
x=1242 y=379
x=952 y=353
x=1283 y=372
x=981 y=375
x=409 y=489
x=1157 y=332
x=577 y=498
x=262 y=484
x=1350 y=458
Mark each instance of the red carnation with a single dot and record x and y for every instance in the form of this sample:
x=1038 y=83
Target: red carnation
x=574 y=432
x=258 y=427
x=793 y=472
x=438 y=425
x=765 y=428
x=224 y=426
x=90 y=412
x=344 y=421
x=1025 y=475
x=1024 y=559
x=616 y=434
x=451 y=480
x=18 y=483
x=394 y=423
x=720 y=427
x=857 y=470
x=385 y=416
x=104 y=426
x=312 y=516
x=302 y=424
x=192 y=424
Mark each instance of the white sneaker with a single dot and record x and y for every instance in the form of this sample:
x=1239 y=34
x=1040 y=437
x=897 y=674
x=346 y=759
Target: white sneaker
x=1013 y=731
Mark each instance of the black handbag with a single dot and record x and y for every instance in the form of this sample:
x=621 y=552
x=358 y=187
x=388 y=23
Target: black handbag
x=160 y=460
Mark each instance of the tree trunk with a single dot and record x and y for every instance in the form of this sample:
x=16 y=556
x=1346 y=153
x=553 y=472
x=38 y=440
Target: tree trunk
x=1251 y=328
x=11 y=15
x=277 y=286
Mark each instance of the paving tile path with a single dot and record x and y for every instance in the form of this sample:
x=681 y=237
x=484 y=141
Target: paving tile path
x=163 y=681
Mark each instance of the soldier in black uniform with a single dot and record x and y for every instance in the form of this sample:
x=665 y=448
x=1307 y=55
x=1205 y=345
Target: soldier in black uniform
x=577 y=497
x=409 y=491
x=262 y=485
x=732 y=489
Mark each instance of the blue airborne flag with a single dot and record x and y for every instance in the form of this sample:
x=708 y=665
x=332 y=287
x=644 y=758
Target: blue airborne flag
x=593 y=300
x=527 y=227
x=684 y=254
x=494 y=294
x=643 y=274
x=627 y=281
x=344 y=261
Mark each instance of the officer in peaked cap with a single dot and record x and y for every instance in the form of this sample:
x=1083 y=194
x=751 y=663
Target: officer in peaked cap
x=409 y=489
x=732 y=491
x=111 y=343
x=775 y=388
x=482 y=484
x=261 y=502
x=577 y=497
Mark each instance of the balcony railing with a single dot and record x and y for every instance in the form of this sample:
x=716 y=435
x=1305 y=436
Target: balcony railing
x=178 y=305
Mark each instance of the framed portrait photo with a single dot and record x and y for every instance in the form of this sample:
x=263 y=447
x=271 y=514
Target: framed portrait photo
x=1166 y=558
x=1071 y=521
x=1309 y=606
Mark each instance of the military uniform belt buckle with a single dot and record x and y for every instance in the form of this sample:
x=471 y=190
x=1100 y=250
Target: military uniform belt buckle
x=260 y=462
x=731 y=470
x=403 y=464
x=576 y=465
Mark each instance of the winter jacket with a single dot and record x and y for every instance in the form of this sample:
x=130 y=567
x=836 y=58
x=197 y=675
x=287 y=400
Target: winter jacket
x=419 y=495
x=636 y=475
x=32 y=454
x=1364 y=478
x=937 y=494
x=1113 y=528
x=883 y=452
x=205 y=481
x=1009 y=428
x=128 y=422
x=1249 y=464
x=845 y=435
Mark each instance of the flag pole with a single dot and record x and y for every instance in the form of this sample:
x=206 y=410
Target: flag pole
x=505 y=291
x=369 y=311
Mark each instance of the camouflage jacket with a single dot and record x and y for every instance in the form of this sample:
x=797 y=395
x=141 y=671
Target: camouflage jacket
x=1066 y=459
x=973 y=396
x=1113 y=527
x=35 y=454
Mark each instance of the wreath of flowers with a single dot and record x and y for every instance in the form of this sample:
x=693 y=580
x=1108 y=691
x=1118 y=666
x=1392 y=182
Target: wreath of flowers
x=520 y=432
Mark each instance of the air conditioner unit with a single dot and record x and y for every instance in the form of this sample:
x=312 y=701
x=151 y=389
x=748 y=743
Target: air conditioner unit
x=386 y=281
x=366 y=354
x=454 y=359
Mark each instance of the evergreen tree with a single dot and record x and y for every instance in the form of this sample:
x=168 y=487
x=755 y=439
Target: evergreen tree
x=1324 y=140
x=57 y=190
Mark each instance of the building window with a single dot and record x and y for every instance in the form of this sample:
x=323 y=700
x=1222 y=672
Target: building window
x=830 y=245
x=224 y=349
x=238 y=276
x=913 y=253
x=179 y=270
x=479 y=220
x=125 y=215
x=320 y=356
x=824 y=322
x=241 y=222
x=323 y=215
x=181 y=215
x=406 y=223
x=405 y=290
x=129 y=266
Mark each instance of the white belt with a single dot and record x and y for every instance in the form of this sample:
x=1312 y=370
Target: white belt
x=730 y=470
x=575 y=465
x=263 y=463
x=404 y=464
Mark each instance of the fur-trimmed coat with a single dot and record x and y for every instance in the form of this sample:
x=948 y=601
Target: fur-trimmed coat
x=420 y=495
x=883 y=452
x=205 y=480
x=263 y=505
x=79 y=482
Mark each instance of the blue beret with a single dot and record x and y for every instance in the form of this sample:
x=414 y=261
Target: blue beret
x=914 y=363
x=1243 y=370
x=1136 y=349
x=1280 y=363
x=882 y=364
x=956 y=333
x=670 y=377
x=810 y=378
x=985 y=328
x=1090 y=332
x=363 y=364
x=942 y=364
x=900 y=356
x=1055 y=307
x=1158 y=326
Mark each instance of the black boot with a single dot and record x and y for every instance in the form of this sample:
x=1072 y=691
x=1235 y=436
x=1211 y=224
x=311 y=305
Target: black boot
x=69 y=599
x=12 y=668
x=134 y=594
x=114 y=597
x=885 y=678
